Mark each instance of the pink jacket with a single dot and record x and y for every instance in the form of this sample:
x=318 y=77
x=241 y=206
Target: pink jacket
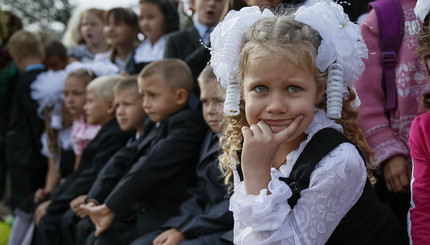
x=388 y=136
x=419 y=142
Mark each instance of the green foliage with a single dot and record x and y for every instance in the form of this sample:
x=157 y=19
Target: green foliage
x=45 y=14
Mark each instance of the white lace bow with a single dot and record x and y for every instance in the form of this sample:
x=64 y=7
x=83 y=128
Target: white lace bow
x=227 y=41
x=341 y=51
x=422 y=9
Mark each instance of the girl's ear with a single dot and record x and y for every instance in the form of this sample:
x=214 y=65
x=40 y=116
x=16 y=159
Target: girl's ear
x=111 y=106
x=320 y=92
x=181 y=96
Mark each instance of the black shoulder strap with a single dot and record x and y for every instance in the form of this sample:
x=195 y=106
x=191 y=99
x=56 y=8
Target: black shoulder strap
x=322 y=143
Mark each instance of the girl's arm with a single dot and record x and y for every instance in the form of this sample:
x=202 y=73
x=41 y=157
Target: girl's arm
x=52 y=179
x=335 y=186
x=419 y=142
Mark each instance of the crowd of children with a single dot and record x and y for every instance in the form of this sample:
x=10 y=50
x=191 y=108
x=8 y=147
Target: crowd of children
x=266 y=124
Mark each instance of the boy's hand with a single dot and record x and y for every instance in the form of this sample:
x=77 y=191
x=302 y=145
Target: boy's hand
x=101 y=216
x=41 y=211
x=41 y=194
x=397 y=174
x=260 y=146
x=75 y=206
x=169 y=237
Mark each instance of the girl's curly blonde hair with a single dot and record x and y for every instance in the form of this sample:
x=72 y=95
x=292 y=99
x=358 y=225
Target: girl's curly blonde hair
x=283 y=37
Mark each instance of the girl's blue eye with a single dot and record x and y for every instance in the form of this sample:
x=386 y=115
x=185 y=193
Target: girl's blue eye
x=261 y=89
x=294 y=89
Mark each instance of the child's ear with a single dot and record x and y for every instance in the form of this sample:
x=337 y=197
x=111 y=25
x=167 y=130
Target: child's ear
x=111 y=107
x=181 y=96
x=320 y=92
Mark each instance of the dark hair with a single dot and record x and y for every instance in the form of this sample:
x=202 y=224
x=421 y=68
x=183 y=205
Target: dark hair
x=55 y=48
x=127 y=16
x=171 y=16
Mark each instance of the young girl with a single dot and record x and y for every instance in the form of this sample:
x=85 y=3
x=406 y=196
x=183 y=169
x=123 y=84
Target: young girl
x=74 y=100
x=419 y=144
x=121 y=30
x=289 y=98
x=91 y=28
x=157 y=18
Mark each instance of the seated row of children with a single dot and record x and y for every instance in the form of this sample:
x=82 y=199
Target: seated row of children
x=148 y=172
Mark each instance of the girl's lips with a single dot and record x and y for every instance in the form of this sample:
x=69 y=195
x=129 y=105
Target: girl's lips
x=277 y=122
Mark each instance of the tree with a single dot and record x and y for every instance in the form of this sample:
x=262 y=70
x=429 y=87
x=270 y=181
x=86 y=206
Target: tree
x=42 y=13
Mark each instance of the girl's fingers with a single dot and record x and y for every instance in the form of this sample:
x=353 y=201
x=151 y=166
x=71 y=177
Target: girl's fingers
x=287 y=132
x=246 y=132
x=256 y=130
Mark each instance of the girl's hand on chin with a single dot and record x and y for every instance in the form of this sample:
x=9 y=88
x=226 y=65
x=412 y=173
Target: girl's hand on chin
x=260 y=144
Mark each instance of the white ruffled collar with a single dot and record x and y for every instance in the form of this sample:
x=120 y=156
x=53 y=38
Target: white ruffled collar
x=320 y=121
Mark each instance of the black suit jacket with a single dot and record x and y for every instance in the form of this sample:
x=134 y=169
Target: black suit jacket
x=105 y=144
x=157 y=182
x=23 y=142
x=25 y=127
x=181 y=44
x=207 y=211
x=114 y=170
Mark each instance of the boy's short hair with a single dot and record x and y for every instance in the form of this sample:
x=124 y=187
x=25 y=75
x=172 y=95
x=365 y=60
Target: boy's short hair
x=129 y=82
x=25 y=44
x=103 y=86
x=55 y=48
x=207 y=75
x=175 y=72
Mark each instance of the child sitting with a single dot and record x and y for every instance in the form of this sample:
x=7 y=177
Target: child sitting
x=204 y=216
x=130 y=115
x=99 y=109
x=293 y=128
x=121 y=30
x=164 y=165
x=157 y=19
x=74 y=101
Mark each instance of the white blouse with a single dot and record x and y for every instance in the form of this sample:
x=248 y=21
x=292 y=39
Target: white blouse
x=335 y=186
x=146 y=52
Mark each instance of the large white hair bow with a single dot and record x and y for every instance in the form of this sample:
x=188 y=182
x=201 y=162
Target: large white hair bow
x=422 y=9
x=47 y=90
x=341 y=50
x=227 y=41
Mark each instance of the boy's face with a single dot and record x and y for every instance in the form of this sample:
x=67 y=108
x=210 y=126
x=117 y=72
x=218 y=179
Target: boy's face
x=74 y=95
x=54 y=63
x=209 y=11
x=212 y=104
x=129 y=112
x=96 y=109
x=159 y=100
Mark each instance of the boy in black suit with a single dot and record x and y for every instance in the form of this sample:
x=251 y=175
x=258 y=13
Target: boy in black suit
x=156 y=184
x=184 y=43
x=130 y=115
x=205 y=216
x=99 y=109
x=27 y=166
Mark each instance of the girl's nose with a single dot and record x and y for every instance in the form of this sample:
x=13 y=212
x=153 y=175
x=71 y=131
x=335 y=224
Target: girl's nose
x=277 y=104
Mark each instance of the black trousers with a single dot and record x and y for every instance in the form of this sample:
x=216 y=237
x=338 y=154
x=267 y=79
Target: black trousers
x=75 y=230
